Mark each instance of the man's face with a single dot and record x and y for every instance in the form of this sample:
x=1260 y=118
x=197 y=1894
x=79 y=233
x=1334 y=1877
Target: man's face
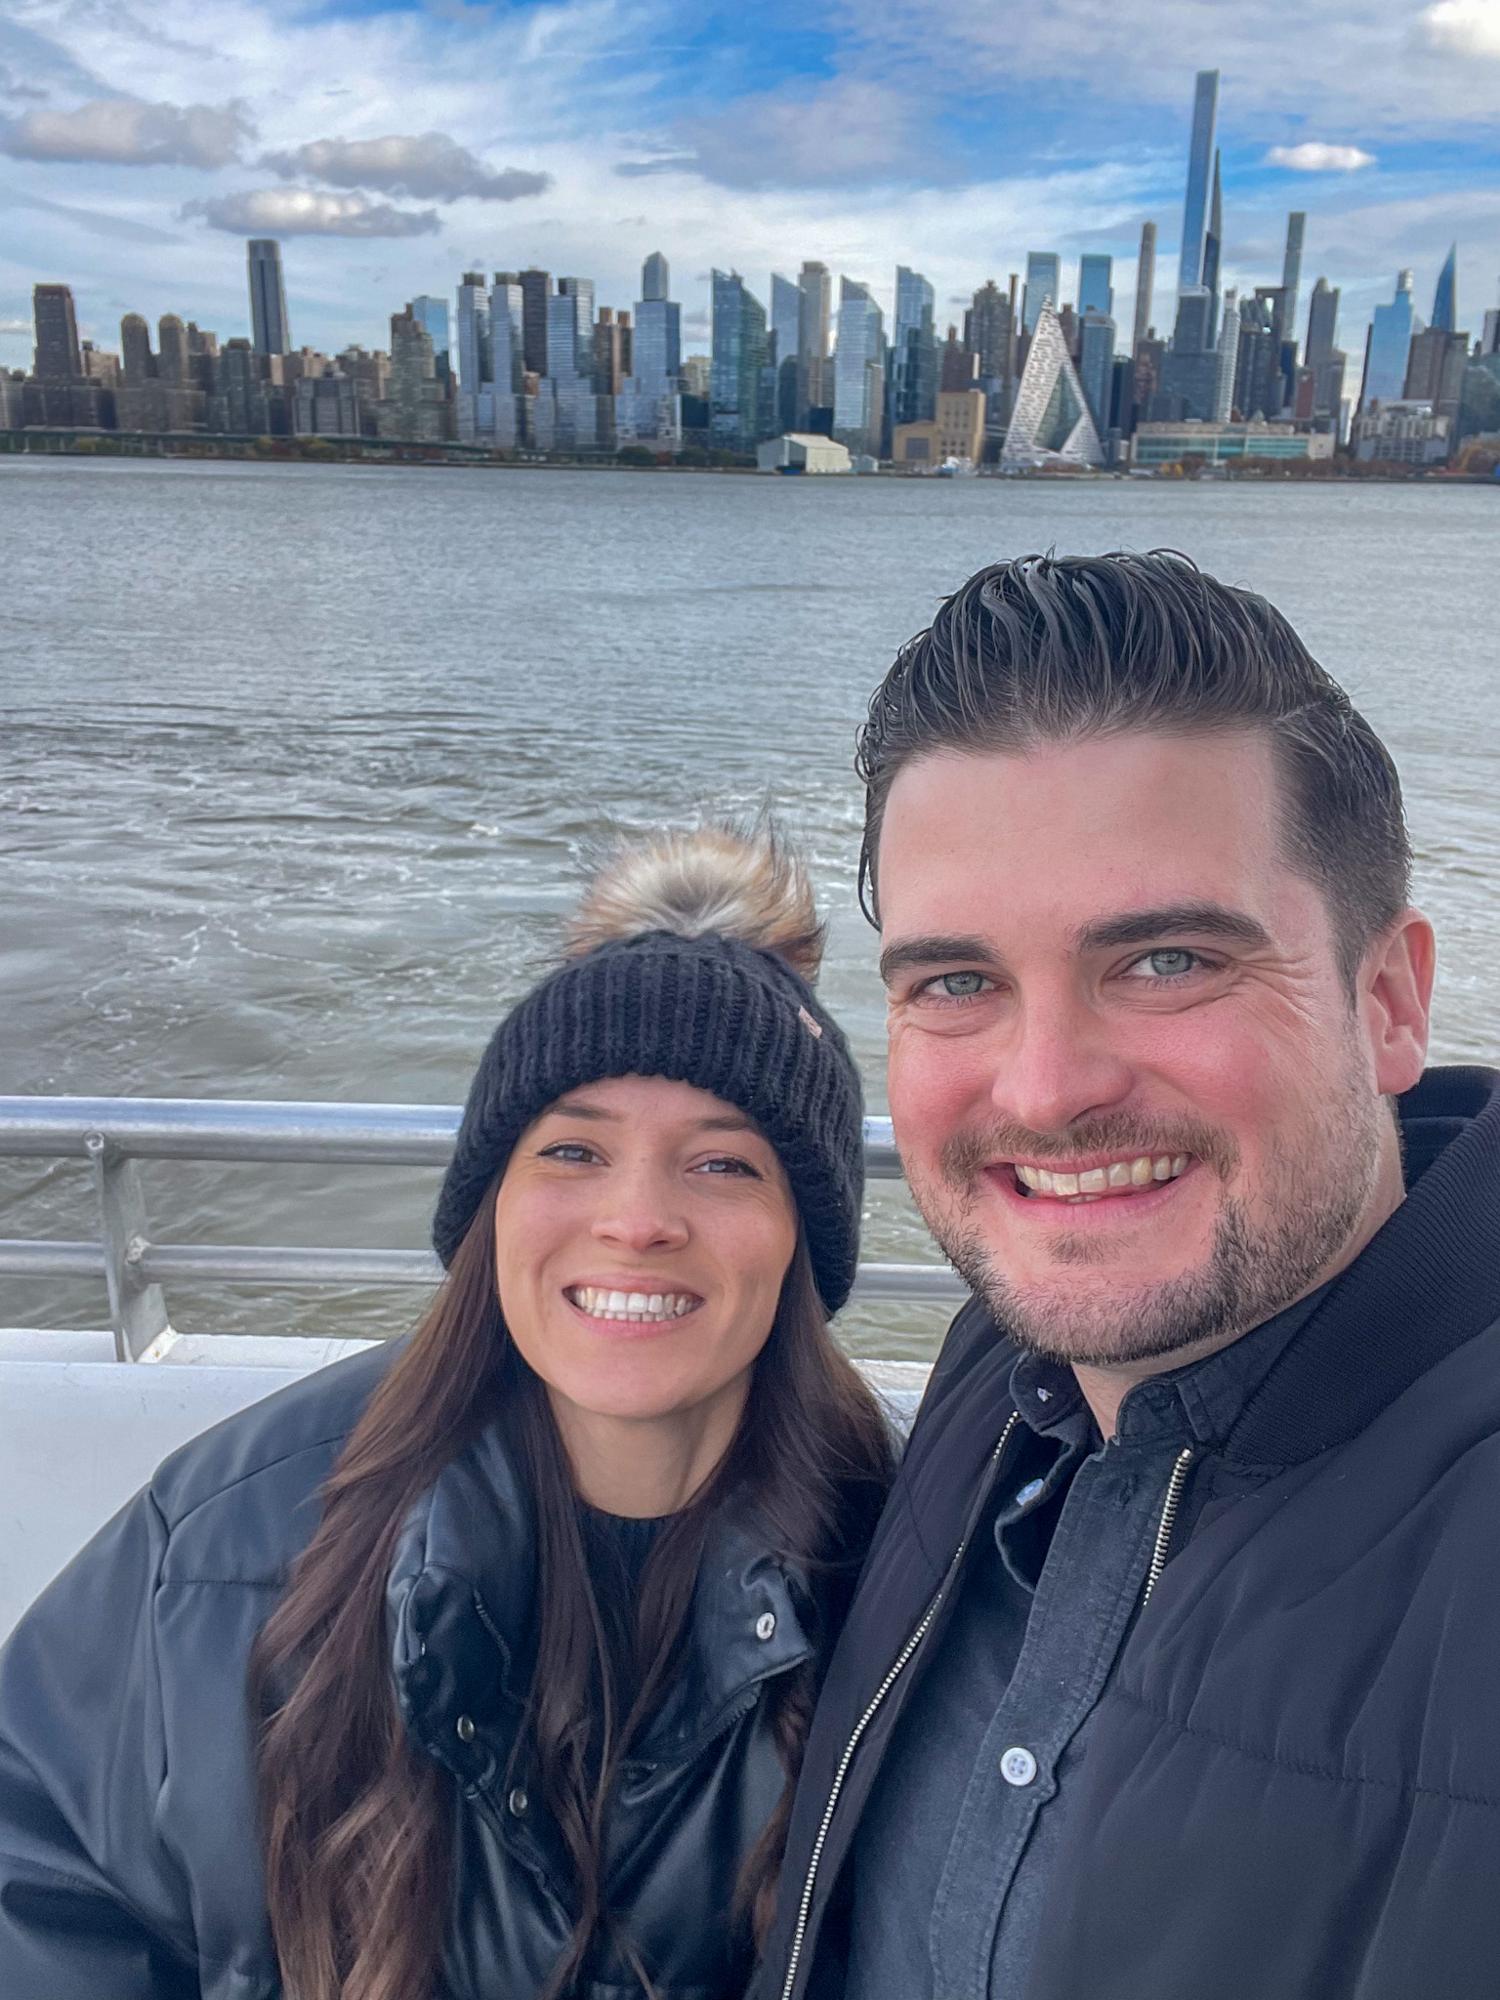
x=1136 y=1103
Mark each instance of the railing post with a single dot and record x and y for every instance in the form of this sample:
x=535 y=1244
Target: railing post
x=138 y=1310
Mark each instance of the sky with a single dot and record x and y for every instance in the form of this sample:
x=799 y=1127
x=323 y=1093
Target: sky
x=393 y=144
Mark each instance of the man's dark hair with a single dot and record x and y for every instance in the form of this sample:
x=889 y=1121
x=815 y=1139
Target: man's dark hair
x=1051 y=649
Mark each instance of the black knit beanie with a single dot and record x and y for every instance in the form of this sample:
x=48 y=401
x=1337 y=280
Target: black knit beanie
x=710 y=1010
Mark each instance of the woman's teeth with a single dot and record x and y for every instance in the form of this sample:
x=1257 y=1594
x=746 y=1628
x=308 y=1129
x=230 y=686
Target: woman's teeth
x=637 y=1306
x=1119 y=1177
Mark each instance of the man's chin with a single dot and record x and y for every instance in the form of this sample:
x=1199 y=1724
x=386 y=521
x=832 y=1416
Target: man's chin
x=1110 y=1324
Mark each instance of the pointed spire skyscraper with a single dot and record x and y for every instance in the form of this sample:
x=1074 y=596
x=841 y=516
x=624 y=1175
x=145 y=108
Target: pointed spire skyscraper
x=1445 y=298
x=1195 y=211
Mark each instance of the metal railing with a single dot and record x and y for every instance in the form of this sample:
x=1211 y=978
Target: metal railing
x=116 y=1133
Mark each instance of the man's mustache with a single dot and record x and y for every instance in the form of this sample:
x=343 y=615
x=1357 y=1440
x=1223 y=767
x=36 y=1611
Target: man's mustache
x=966 y=1154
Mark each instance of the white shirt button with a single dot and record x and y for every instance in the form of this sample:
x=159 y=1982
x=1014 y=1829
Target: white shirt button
x=1017 y=1766
x=765 y=1625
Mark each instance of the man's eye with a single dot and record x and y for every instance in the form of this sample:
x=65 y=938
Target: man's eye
x=954 y=986
x=1167 y=964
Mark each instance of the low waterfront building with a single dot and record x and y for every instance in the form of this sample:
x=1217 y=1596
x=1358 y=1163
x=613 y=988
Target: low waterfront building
x=1401 y=432
x=956 y=433
x=1169 y=443
x=800 y=451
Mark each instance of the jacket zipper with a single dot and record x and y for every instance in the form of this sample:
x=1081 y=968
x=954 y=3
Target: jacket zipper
x=897 y=1667
x=1168 y=1521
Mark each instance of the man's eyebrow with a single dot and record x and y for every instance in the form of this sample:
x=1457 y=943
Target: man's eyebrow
x=907 y=952
x=1172 y=920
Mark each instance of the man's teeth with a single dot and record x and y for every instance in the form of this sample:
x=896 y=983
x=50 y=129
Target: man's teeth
x=1119 y=1177
x=639 y=1306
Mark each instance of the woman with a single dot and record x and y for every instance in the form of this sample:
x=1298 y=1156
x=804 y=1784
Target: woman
x=479 y=1669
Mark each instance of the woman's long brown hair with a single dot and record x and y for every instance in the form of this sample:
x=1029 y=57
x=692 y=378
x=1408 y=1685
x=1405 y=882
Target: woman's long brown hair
x=356 y=1822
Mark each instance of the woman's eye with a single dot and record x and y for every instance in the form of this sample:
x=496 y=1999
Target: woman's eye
x=726 y=1163
x=572 y=1150
x=1167 y=964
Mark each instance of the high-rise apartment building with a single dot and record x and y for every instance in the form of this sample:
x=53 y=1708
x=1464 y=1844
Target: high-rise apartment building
x=1291 y=276
x=474 y=405
x=536 y=288
x=1387 y=346
x=1096 y=365
x=433 y=314
x=739 y=356
x=1145 y=284
x=786 y=317
x=815 y=310
x=137 y=362
x=912 y=390
x=1043 y=284
x=1213 y=240
x=648 y=409
x=270 y=329
x=859 y=369
x=569 y=406
x=1445 y=298
x=656 y=279
x=1096 y=291
x=174 y=363
x=59 y=358
x=1196 y=205
x=989 y=333
x=416 y=406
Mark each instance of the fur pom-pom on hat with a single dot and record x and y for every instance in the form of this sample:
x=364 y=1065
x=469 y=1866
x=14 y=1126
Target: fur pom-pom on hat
x=690 y=958
x=749 y=885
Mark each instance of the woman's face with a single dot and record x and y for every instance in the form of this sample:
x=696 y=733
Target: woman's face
x=642 y=1232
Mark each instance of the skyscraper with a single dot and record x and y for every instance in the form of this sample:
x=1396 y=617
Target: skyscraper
x=433 y=314
x=1445 y=298
x=1096 y=363
x=475 y=409
x=59 y=357
x=1145 y=284
x=175 y=363
x=137 y=362
x=1043 y=282
x=786 y=315
x=1291 y=276
x=1195 y=209
x=1213 y=238
x=570 y=365
x=815 y=309
x=1229 y=355
x=270 y=329
x=536 y=287
x=913 y=385
x=1096 y=292
x=1387 y=347
x=989 y=332
x=739 y=355
x=859 y=369
x=508 y=356
x=656 y=279
x=648 y=408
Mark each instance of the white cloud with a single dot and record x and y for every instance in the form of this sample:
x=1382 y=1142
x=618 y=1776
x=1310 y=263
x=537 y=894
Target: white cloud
x=310 y=212
x=127 y=132
x=15 y=326
x=1463 y=27
x=1313 y=157
x=427 y=167
x=802 y=135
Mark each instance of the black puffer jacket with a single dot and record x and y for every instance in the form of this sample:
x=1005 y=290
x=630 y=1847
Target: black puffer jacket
x=1292 y=1786
x=129 y=1867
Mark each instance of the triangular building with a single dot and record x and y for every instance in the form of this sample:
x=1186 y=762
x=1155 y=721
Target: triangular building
x=1050 y=424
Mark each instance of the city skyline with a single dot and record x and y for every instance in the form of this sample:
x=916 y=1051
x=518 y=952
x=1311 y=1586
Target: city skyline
x=390 y=148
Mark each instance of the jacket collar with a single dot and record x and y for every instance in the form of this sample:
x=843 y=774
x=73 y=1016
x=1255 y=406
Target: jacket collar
x=1428 y=1281
x=461 y=1613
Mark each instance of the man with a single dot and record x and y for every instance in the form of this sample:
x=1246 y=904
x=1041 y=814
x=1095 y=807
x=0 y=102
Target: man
x=1172 y=1674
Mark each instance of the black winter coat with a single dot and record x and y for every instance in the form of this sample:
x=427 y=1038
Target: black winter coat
x=129 y=1865
x=1292 y=1789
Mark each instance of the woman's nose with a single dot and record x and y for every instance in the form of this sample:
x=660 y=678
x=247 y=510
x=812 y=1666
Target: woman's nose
x=641 y=1216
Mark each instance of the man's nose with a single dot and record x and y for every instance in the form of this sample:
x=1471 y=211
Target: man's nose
x=640 y=1212
x=1058 y=1067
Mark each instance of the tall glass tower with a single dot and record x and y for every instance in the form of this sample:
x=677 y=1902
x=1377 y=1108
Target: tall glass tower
x=1388 y=348
x=914 y=362
x=1200 y=172
x=1445 y=298
x=1096 y=292
x=1043 y=282
x=739 y=355
x=270 y=331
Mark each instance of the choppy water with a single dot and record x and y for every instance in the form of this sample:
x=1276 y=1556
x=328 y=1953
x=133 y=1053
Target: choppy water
x=298 y=766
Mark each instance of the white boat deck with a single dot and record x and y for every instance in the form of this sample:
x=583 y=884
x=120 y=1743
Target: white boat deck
x=81 y=1432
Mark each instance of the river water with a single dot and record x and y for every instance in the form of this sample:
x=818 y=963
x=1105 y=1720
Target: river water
x=300 y=765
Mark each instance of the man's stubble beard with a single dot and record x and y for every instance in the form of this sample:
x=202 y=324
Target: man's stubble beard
x=1250 y=1274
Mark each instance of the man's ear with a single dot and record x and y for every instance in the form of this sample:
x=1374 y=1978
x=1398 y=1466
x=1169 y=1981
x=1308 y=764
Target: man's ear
x=1395 y=999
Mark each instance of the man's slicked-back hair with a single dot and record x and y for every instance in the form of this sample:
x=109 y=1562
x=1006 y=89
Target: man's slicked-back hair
x=1050 y=649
